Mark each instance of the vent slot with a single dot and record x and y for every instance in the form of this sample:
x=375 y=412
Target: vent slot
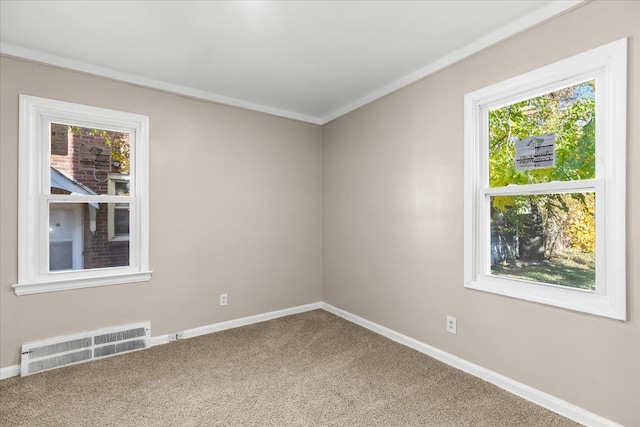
x=57 y=361
x=53 y=353
x=48 y=350
x=119 y=336
x=119 y=348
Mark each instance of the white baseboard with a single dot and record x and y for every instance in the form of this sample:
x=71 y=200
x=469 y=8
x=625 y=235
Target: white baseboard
x=9 y=371
x=13 y=371
x=236 y=323
x=531 y=394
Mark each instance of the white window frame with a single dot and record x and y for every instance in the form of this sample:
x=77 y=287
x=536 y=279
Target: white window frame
x=113 y=178
x=34 y=195
x=608 y=66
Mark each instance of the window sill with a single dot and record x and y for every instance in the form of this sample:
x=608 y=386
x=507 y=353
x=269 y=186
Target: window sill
x=569 y=298
x=53 y=285
x=119 y=239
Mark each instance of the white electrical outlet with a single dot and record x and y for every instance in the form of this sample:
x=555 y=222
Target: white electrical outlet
x=223 y=299
x=176 y=336
x=452 y=325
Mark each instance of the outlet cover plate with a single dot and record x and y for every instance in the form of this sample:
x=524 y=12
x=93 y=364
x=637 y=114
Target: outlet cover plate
x=452 y=325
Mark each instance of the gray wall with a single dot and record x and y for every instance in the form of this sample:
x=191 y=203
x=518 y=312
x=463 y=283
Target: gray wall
x=393 y=226
x=235 y=206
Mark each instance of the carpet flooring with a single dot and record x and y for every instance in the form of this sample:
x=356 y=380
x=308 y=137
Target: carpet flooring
x=310 y=369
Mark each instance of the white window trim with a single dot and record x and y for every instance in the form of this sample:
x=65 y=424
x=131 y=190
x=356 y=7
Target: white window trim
x=608 y=64
x=34 y=181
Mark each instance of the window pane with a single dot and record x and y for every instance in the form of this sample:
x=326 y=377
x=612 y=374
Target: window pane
x=546 y=238
x=121 y=188
x=121 y=220
x=79 y=237
x=62 y=222
x=83 y=158
x=547 y=138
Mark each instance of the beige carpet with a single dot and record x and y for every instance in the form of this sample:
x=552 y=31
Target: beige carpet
x=311 y=369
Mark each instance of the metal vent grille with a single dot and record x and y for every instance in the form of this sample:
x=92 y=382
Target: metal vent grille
x=56 y=352
x=120 y=336
x=118 y=348
x=61 y=347
x=54 y=362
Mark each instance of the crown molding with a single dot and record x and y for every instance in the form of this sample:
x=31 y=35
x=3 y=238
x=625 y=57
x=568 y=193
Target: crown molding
x=526 y=22
x=535 y=18
x=146 y=82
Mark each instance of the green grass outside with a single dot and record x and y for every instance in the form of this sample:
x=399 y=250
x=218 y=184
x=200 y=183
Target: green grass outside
x=576 y=270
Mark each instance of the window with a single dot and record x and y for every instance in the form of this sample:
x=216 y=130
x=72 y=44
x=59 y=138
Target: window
x=83 y=197
x=119 y=185
x=545 y=184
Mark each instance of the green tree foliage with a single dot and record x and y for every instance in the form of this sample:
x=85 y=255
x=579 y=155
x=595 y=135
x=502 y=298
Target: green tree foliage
x=569 y=113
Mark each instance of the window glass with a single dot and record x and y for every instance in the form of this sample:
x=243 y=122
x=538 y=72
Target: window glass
x=78 y=238
x=83 y=158
x=121 y=220
x=64 y=233
x=549 y=238
x=543 y=139
x=121 y=188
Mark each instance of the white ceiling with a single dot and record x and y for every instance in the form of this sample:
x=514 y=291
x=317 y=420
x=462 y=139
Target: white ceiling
x=311 y=61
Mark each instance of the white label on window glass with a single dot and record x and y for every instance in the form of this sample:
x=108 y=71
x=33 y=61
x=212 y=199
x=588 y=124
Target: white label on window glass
x=536 y=152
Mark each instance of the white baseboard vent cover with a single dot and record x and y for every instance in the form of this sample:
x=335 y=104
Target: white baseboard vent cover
x=51 y=353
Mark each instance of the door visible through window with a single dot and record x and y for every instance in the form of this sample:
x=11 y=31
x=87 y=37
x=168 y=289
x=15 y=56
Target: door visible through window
x=65 y=237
